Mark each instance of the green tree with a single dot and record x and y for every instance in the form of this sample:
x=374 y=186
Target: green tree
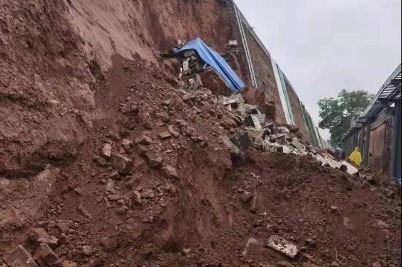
x=337 y=113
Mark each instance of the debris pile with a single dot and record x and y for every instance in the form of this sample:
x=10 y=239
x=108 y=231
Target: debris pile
x=268 y=137
x=183 y=177
x=198 y=58
x=110 y=162
x=41 y=244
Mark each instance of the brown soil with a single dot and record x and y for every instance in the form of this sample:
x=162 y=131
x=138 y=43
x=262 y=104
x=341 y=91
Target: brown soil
x=199 y=204
x=197 y=219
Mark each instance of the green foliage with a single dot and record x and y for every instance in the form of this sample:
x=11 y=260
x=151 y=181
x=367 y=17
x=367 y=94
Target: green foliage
x=337 y=113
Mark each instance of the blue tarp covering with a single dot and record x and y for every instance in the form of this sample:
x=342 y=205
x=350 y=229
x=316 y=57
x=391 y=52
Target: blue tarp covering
x=213 y=59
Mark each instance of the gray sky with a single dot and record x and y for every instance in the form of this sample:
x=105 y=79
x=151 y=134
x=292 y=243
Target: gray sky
x=323 y=46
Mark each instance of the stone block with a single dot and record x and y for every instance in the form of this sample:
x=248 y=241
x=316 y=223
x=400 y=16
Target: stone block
x=122 y=163
x=20 y=257
x=46 y=257
x=283 y=246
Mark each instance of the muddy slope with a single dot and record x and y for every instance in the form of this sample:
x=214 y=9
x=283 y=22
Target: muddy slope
x=186 y=201
x=110 y=157
x=53 y=52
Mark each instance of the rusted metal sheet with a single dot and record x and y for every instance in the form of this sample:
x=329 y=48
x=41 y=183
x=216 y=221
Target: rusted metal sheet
x=380 y=144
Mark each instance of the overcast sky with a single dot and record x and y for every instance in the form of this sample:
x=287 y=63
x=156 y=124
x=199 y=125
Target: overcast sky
x=323 y=46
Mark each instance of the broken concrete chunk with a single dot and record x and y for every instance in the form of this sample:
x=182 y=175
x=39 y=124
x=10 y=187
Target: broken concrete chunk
x=20 y=257
x=283 y=129
x=269 y=125
x=252 y=121
x=297 y=144
x=235 y=100
x=229 y=144
x=251 y=109
x=122 y=164
x=143 y=140
x=267 y=132
x=107 y=150
x=154 y=160
x=169 y=172
x=39 y=235
x=127 y=145
x=45 y=256
x=238 y=120
x=280 y=138
x=261 y=118
x=272 y=147
x=165 y=135
x=250 y=241
x=350 y=168
x=242 y=141
x=283 y=246
x=173 y=131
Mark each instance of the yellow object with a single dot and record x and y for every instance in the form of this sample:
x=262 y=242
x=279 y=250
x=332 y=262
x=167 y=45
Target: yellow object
x=356 y=157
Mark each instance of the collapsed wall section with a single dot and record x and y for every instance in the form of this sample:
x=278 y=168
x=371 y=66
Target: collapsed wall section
x=297 y=111
x=313 y=133
x=265 y=76
x=271 y=80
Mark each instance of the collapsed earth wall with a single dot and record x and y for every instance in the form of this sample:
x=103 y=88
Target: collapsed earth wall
x=125 y=169
x=52 y=53
x=264 y=72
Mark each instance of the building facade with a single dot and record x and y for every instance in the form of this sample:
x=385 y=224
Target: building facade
x=377 y=132
x=265 y=74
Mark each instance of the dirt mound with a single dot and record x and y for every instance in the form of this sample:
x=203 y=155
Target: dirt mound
x=153 y=185
x=52 y=53
x=107 y=161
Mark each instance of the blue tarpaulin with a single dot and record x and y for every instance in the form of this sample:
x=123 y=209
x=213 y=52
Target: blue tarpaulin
x=213 y=59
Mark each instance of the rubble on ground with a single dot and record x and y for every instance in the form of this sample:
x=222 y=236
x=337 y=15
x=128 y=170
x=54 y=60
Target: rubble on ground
x=195 y=182
x=283 y=246
x=276 y=139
